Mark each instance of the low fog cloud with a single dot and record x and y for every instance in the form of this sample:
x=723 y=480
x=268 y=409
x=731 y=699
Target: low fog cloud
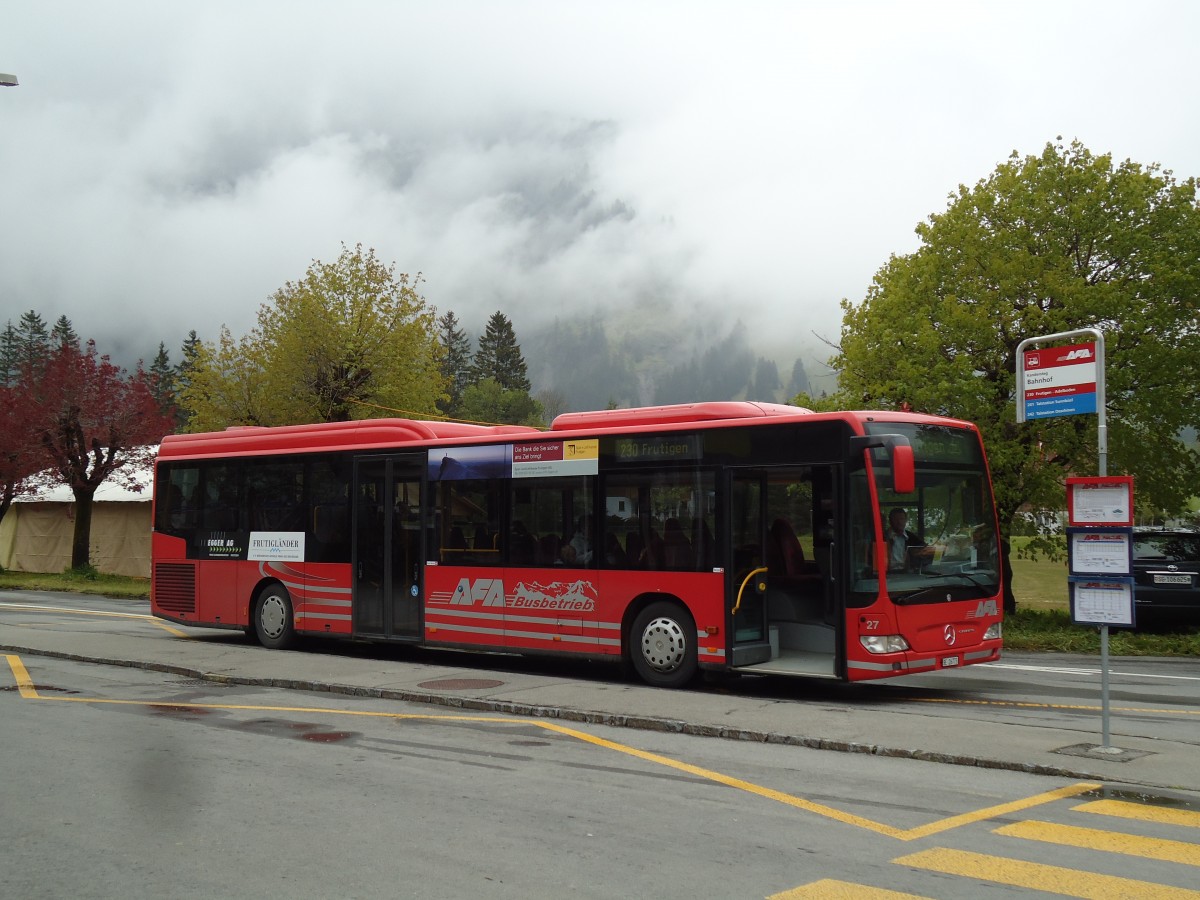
x=165 y=168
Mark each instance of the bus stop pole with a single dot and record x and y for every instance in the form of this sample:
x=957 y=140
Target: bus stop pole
x=1102 y=464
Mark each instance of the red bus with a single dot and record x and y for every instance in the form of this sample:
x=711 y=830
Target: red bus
x=731 y=536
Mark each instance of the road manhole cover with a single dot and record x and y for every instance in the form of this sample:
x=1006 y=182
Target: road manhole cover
x=1095 y=751
x=460 y=684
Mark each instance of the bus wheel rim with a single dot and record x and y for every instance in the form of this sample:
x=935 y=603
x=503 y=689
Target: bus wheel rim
x=272 y=616
x=664 y=645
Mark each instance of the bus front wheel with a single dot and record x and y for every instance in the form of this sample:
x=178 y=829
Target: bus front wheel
x=663 y=645
x=273 y=617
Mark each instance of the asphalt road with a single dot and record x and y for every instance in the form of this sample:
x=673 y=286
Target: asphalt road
x=1039 y=713
x=119 y=781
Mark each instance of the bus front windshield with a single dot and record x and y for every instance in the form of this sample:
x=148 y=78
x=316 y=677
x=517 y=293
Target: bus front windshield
x=936 y=543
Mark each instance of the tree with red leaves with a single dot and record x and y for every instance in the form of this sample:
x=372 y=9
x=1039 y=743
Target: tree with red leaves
x=19 y=458
x=89 y=421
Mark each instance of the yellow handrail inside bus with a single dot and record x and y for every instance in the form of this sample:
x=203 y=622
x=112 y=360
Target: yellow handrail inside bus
x=738 y=604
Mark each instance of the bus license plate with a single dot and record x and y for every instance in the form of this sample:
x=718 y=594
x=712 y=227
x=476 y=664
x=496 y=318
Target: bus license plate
x=1172 y=579
x=948 y=661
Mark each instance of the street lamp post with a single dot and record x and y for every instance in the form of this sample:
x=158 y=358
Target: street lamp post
x=8 y=80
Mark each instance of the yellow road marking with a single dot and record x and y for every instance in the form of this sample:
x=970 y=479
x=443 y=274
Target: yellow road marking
x=175 y=631
x=903 y=834
x=730 y=781
x=24 y=684
x=1002 y=809
x=832 y=889
x=78 y=612
x=1142 y=812
x=154 y=620
x=1070 y=707
x=828 y=812
x=1041 y=877
x=1106 y=841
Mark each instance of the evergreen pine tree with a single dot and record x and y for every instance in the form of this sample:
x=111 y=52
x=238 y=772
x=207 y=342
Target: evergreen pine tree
x=799 y=382
x=162 y=379
x=63 y=334
x=456 y=364
x=33 y=341
x=499 y=356
x=182 y=375
x=10 y=357
x=189 y=350
x=766 y=382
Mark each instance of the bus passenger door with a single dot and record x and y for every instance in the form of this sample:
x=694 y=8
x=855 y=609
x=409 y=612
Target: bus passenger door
x=747 y=530
x=798 y=614
x=388 y=549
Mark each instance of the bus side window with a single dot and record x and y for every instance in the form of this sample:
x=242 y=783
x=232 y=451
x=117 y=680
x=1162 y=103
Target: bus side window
x=469 y=512
x=330 y=524
x=174 y=504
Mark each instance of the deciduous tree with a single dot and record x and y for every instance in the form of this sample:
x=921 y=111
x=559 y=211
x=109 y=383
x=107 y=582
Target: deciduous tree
x=91 y=422
x=19 y=456
x=488 y=402
x=225 y=385
x=351 y=340
x=1048 y=243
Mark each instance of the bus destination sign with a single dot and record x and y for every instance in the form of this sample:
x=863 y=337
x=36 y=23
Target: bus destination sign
x=658 y=449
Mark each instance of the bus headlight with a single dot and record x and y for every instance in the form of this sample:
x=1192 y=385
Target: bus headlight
x=883 y=643
x=995 y=632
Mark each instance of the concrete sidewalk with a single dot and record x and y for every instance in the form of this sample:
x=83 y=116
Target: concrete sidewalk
x=827 y=715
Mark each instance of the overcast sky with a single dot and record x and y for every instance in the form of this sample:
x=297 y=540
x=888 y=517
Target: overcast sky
x=167 y=166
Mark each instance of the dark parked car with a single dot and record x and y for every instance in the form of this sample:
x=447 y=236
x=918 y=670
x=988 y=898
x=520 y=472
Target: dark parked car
x=1166 y=569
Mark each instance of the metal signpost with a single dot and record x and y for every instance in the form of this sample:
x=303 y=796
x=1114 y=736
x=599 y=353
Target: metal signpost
x=1066 y=381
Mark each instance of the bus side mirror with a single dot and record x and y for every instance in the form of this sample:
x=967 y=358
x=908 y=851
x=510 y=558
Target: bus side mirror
x=904 y=473
x=900 y=456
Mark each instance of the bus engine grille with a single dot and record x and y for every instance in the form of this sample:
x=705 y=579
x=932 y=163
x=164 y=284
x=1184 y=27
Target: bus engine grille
x=175 y=587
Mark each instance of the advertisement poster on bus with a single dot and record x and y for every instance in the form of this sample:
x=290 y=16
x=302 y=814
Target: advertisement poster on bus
x=555 y=458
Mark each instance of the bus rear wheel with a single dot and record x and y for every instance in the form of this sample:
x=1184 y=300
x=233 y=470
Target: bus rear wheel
x=273 y=618
x=663 y=645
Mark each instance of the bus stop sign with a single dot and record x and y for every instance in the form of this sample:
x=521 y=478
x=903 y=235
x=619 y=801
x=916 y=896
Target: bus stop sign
x=1059 y=381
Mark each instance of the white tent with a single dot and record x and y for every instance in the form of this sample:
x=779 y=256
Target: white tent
x=36 y=533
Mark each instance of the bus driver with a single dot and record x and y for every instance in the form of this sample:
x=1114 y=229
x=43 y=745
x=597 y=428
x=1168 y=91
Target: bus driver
x=906 y=551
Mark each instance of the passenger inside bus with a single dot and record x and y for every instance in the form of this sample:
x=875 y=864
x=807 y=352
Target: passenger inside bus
x=522 y=547
x=677 y=549
x=614 y=556
x=578 y=550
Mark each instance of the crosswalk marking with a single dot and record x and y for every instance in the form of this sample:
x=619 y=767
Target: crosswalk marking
x=1142 y=812
x=1042 y=877
x=1105 y=841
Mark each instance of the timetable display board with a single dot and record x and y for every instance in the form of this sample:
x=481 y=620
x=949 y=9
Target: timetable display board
x=1102 y=601
x=1100 y=551
x=1104 y=500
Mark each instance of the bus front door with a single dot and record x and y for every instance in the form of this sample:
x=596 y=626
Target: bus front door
x=388 y=549
x=788 y=615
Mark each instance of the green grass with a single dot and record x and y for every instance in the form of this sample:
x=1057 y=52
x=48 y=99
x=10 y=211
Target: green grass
x=1042 y=621
x=1043 y=618
x=1039 y=584
x=90 y=583
x=1052 y=630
